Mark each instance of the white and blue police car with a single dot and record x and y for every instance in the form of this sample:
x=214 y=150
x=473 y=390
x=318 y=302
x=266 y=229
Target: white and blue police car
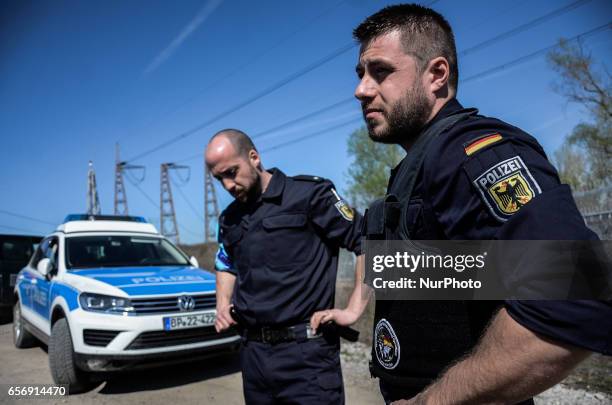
x=107 y=293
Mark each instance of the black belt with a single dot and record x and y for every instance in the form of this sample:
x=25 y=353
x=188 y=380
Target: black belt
x=273 y=334
x=299 y=333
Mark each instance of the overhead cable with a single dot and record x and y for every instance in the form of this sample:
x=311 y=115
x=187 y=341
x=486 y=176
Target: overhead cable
x=27 y=217
x=523 y=27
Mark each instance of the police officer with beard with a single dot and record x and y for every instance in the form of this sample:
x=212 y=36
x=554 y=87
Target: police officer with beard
x=446 y=352
x=276 y=266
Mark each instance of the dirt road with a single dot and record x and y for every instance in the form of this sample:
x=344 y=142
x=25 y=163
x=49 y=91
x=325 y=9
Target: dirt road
x=212 y=381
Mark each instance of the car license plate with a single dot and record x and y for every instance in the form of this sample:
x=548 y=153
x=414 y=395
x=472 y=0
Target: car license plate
x=189 y=321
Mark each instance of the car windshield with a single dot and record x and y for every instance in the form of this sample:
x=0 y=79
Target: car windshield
x=121 y=251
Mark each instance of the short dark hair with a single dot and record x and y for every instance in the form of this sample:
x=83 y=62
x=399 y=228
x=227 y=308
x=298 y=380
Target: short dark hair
x=241 y=141
x=425 y=34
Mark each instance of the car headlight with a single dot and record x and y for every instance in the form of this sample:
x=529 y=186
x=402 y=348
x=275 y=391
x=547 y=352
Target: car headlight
x=105 y=303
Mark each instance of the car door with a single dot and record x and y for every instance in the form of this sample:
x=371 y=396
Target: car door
x=28 y=279
x=42 y=284
x=15 y=253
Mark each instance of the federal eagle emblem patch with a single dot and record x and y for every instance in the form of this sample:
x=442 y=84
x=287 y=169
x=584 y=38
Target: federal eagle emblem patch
x=506 y=187
x=343 y=208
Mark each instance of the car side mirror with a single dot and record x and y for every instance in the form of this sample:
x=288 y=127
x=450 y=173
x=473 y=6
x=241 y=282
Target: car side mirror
x=194 y=261
x=44 y=266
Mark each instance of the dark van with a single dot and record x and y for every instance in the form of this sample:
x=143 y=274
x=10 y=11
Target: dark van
x=15 y=253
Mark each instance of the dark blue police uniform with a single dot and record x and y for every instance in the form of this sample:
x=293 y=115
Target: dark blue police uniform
x=283 y=249
x=472 y=177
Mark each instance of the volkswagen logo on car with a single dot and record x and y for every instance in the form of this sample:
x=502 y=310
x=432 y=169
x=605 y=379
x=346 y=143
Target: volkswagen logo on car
x=186 y=303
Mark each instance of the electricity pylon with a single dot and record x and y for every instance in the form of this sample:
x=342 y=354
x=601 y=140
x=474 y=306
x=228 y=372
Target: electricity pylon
x=121 y=204
x=211 y=207
x=93 y=202
x=167 y=219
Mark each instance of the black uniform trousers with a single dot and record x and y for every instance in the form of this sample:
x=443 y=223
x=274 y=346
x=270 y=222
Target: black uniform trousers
x=299 y=372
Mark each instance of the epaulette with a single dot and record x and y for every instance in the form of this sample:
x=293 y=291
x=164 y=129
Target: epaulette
x=305 y=177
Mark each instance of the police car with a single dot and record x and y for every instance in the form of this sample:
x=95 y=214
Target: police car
x=106 y=293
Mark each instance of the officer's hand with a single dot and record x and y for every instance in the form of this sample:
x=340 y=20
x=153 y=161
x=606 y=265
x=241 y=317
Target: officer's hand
x=224 y=319
x=342 y=317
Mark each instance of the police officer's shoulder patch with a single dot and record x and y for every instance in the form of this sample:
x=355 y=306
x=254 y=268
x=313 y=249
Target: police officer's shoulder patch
x=222 y=260
x=507 y=186
x=305 y=177
x=342 y=206
x=386 y=345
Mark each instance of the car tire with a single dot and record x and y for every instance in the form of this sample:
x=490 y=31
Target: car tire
x=22 y=338
x=61 y=360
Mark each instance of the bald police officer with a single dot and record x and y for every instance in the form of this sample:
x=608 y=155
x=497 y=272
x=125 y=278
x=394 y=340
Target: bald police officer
x=443 y=352
x=276 y=266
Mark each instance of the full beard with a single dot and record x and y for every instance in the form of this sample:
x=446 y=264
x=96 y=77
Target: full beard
x=405 y=120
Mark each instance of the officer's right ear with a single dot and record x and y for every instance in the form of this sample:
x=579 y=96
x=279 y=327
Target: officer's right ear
x=437 y=74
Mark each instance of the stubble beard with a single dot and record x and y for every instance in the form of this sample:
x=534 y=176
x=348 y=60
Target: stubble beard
x=253 y=193
x=405 y=120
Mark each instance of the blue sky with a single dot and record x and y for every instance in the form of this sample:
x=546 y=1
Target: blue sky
x=78 y=76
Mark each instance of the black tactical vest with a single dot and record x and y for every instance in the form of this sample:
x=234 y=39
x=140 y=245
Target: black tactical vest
x=413 y=341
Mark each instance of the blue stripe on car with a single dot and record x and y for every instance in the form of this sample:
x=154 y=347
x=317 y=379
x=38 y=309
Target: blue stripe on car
x=70 y=294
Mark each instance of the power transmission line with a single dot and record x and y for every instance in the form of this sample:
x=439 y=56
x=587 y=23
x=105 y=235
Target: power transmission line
x=167 y=214
x=211 y=206
x=523 y=27
x=319 y=133
x=495 y=17
x=259 y=56
x=465 y=52
x=28 y=218
x=143 y=193
x=285 y=124
x=533 y=54
x=189 y=231
x=312 y=135
x=484 y=73
x=157 y=206
x=468 y=79
x=303 y=117
x=188 y=202
x=340 y=51
x=251 y=99
x=335 y=54
x=93 y=201
x=121 y=168
x=193 y=209
x=14 y=228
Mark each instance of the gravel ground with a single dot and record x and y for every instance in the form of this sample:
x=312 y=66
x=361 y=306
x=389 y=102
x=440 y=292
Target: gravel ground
x=355 y=358
x=214 y=381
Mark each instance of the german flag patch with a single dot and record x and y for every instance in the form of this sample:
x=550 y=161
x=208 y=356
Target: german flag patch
x=480 y=142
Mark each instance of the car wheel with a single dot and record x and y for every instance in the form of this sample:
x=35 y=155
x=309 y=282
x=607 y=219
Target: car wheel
x=62 y=362
x=22 y=338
